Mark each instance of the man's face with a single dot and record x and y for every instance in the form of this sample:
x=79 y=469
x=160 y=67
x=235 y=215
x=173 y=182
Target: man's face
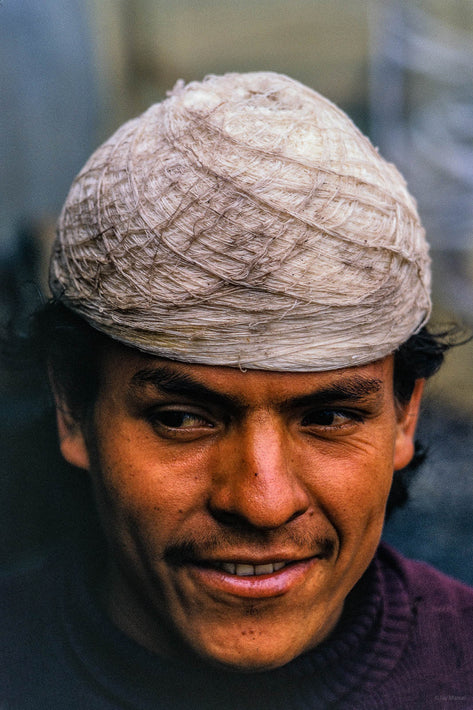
x=240 y=507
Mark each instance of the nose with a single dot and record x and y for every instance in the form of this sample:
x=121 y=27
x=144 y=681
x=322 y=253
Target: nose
x=255 y=483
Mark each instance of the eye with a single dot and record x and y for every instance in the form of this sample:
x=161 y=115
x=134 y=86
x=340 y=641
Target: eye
x=330 y=418
x=178 y=419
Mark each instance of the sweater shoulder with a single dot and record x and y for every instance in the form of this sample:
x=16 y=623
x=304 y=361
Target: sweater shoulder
x=435 y=666
x=425 y=583
x=440 y=642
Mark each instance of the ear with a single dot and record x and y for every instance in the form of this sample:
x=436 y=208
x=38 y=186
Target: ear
x=406 y=427
x=71 y=437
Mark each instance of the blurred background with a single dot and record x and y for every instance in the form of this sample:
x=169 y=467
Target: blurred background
x=71 y=71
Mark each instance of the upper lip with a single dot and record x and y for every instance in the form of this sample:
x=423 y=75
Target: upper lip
x=255 y=560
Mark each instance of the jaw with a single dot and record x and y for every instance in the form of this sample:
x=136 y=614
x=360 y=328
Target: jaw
x=202 y=612
x=248 y=623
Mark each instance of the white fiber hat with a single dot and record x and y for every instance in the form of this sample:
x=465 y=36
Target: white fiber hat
x=244 y=221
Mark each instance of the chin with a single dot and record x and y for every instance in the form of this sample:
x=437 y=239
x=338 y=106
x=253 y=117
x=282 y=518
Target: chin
x=254 y=659
x=249 y=665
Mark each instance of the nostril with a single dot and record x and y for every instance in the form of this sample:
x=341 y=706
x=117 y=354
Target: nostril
x=243 y=523
x=230 y=519
x=295 y=515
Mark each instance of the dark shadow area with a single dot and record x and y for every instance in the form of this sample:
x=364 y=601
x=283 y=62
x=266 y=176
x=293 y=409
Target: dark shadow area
x=45 y=501
x=436 y=524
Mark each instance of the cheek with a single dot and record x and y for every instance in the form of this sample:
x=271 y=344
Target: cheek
x=353 y=484
x=139 y=483
x=353 y=497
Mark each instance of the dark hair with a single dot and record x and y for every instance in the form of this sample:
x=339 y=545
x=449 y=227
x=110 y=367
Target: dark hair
x=419 y=357
x=72 y=350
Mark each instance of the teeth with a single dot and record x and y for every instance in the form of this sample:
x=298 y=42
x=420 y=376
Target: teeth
x=228 y=567
x=264 y=569
x=247 y=570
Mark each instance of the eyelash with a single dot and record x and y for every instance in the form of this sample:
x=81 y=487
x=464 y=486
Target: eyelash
x=157 y=419
x=173 y=420
x=349 y=418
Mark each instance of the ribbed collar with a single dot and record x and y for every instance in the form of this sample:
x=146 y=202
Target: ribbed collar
x=363 y=650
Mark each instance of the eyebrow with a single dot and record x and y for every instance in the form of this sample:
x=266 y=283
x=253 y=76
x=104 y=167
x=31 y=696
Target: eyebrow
x=353 y=388
x=181 y=384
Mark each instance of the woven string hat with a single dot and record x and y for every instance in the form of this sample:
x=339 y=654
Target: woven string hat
x=244 y=221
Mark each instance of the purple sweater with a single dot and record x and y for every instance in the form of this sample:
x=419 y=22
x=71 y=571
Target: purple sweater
x=405 y=642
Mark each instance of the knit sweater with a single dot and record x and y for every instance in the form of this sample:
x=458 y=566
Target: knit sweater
x=405 y=642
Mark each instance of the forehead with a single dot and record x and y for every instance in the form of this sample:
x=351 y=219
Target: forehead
x=128 y=369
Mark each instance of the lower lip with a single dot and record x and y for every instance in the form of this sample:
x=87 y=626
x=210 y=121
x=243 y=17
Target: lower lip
x=256 y=586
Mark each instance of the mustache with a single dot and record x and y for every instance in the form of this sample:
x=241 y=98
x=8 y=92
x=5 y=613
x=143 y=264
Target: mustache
x=198 y=548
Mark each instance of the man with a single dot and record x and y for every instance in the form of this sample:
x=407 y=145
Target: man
x=237 y=350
